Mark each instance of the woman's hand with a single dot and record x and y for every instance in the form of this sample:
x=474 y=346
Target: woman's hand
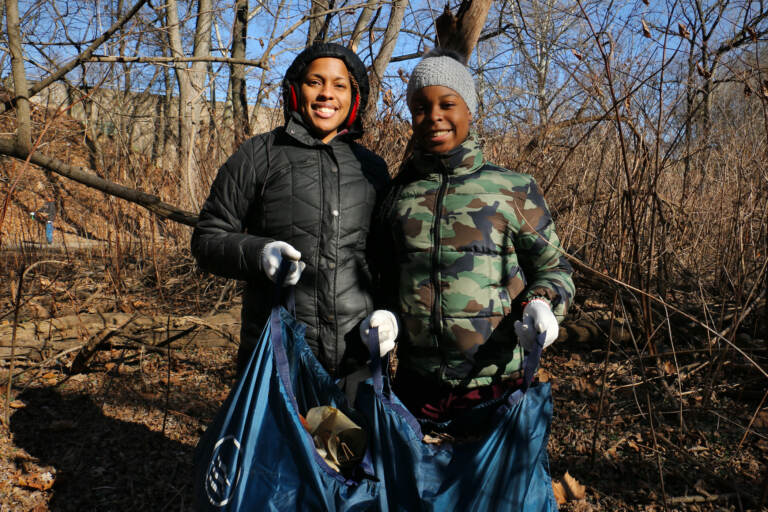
x=272 y=256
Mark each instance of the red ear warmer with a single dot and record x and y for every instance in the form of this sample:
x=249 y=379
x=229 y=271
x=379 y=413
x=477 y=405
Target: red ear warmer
x=293 y=102
x=353 y=110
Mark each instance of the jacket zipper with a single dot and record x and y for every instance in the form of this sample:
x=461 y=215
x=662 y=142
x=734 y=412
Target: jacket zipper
x=437 y=320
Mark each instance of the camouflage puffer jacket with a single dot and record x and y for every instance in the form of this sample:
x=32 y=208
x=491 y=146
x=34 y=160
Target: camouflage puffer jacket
x=471 y=241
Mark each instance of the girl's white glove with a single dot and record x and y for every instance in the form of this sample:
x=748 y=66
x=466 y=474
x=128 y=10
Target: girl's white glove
x=537 y=318
x=387 y=324
x=272 y=255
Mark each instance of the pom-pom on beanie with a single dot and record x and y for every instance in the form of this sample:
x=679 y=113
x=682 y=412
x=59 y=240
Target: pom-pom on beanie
x=443 y=67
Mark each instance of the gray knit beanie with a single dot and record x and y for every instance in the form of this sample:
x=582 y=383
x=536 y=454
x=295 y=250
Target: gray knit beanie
x=443 y=67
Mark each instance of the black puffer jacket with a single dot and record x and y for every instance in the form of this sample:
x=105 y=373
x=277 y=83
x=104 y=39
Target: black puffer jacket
x=288 y=185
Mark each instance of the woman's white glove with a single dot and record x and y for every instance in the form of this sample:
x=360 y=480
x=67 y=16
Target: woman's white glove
x=272 y=255
x=537 y=318
x=387 y=324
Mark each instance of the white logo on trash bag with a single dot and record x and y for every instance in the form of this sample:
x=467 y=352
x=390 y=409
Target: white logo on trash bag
x=223 y=471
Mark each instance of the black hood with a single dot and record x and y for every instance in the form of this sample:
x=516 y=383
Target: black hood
x=333 y=50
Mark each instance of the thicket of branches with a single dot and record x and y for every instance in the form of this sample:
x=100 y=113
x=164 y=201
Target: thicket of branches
x=646 y=125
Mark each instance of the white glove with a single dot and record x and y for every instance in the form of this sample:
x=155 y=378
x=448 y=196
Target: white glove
x=271 y=257
x=387 y=324
x=537 y=318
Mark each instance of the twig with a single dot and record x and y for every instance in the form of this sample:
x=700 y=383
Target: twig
x=7 y=417
x=751 y=421
x=224 y=290
x=166 y=343
x=604 y=380
x=16 y=308
x=698 y=463
x=51 y=359
x=656 y=447
x=729 y=420
x=214 y=328
x=700 y=499
x=719 y=337
x=168 y=375
x=170 y=60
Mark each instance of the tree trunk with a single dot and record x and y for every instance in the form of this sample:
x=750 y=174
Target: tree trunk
x=316 y=22
x=360 y=26
x=191 y=89
x=380 y=63
x=471 y=20
x=21 y=91
x=461 y=32
x=161 y=136
x=241 y=122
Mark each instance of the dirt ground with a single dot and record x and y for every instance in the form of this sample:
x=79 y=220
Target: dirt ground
x=120 y=434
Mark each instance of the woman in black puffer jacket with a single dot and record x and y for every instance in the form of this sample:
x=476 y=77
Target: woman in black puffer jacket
x=305 y=192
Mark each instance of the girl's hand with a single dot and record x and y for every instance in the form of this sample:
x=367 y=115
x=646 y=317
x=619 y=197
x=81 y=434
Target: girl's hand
x=537 y=318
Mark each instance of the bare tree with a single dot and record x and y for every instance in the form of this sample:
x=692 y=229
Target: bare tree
x=237 y=73
x=317 y=30
x=191 y=89
x=360 y=26
x=461 y=32
x=24 y=129
x=380 y=63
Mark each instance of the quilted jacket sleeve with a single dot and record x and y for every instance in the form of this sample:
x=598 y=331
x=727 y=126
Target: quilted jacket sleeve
x=219 y=242
x=541 y=256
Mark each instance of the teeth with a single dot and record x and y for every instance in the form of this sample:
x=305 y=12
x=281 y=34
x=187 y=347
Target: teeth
x=440 y=133
x=326 y=110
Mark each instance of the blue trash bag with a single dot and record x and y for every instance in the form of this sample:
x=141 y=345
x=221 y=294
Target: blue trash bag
x=502 y=466
x=256 y=455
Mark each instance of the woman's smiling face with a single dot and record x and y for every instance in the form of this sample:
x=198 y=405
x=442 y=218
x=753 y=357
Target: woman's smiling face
x=440 y=118
x=326 y=94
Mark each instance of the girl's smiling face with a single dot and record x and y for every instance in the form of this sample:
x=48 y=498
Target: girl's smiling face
x=326 y=94
x=440 y=118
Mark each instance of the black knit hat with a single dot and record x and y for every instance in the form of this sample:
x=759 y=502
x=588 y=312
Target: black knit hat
x=292 y=81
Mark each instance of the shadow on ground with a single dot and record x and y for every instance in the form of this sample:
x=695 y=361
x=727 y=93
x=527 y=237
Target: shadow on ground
x=101 y=463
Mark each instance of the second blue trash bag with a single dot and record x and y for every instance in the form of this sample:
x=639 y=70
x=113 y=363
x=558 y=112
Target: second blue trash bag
x=504 y=465
x=257 y=455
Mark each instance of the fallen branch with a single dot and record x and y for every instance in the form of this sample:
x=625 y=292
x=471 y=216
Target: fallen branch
x=80 y=363
x=42 y=364
x=700 y=499
x=89 y=179
x=215 y=328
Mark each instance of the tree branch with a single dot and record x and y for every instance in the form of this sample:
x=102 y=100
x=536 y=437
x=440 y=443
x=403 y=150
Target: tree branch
x=171 y=60
x=81 y=175
x=83 y=57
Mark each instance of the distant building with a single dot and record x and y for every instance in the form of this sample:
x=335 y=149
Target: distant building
x=139 y=117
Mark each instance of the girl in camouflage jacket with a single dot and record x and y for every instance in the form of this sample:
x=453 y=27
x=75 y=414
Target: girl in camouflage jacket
x=477 y=267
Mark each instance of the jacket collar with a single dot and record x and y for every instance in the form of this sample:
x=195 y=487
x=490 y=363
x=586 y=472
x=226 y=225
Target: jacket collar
x=297 y=128
x=465 y=158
